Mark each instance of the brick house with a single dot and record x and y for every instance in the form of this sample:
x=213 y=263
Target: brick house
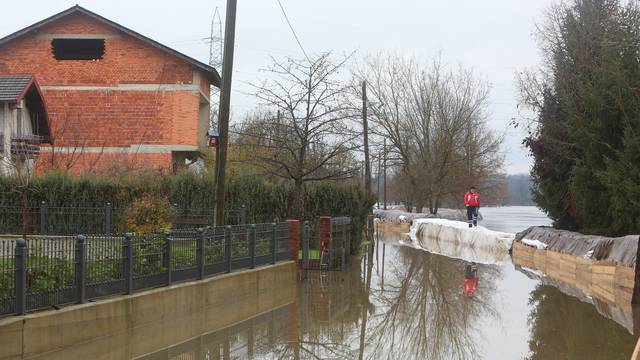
x=114 y=98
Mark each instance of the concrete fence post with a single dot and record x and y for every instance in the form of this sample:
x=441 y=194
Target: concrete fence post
x=274 y=245
x=127 y=256
x=43 y=218
x=80 y=268
x=227 y=247
x=20 y=276
x=345 y=239
x=200 y=253
x=166 y=259
x=252 y=245
x=243 y=215
x=107 y=218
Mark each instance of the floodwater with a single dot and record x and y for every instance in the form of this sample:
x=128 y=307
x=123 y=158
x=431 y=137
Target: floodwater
x=405 y=303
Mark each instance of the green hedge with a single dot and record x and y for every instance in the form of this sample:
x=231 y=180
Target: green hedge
x=266 y=201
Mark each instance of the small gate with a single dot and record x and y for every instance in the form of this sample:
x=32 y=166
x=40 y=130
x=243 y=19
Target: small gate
x=326 y=244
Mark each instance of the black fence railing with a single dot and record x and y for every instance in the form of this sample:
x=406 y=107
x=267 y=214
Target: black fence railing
x=44 y=219
x=40 y=272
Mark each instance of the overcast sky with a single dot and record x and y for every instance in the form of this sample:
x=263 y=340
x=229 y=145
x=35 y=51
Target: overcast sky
x=492 y=36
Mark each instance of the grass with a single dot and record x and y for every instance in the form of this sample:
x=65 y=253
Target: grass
x=313 y=254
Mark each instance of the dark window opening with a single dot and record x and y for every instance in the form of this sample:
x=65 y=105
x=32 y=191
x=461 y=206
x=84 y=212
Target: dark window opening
x=77 y=49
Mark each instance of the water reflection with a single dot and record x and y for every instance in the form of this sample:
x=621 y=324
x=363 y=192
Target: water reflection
x=423 y=311
x=563 y=327
x=254 y=338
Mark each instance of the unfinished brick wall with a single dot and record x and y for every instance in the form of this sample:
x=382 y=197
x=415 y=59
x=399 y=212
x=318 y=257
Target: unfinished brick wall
x=122 y=118
x=111 y=116
x=103 y=163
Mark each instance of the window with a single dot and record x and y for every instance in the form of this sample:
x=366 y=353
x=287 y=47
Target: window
x=77 y=49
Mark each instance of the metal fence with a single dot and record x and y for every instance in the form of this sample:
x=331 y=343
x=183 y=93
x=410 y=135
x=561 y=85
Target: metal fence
x=329 y=251
x=40 y=272
x=45 y=219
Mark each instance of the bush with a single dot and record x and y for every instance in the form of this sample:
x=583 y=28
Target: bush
x=150 y=213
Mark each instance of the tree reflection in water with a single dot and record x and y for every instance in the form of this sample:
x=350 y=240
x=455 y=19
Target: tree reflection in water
x=422 y=311
x=563 y=327
x=419 y=313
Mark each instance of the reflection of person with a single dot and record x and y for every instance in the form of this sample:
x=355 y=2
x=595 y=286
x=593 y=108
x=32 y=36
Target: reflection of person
x=470 y=283
x=472 y=202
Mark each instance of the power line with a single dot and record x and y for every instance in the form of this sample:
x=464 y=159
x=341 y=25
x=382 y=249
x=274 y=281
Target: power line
x=293 y=31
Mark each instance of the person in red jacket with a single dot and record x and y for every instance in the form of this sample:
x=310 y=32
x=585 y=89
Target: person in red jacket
x=472 y=202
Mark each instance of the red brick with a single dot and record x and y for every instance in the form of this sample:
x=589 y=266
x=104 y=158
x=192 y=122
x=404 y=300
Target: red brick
x=325 y=232
x=104 y=118
x=295 y=239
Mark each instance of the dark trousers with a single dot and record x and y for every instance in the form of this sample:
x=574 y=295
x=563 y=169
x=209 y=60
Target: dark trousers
x=472 y=215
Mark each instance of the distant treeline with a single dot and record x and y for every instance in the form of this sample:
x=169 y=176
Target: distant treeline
x=519 y=190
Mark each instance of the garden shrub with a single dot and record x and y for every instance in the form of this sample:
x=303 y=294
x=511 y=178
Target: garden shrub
x=149 y=213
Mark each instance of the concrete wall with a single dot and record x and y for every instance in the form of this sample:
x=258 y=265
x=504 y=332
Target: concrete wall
x=135 y=325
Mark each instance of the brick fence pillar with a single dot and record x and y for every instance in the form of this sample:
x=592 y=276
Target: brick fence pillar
x=295 y=239
x=324 y=236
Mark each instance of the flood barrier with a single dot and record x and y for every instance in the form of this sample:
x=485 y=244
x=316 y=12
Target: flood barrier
x=599 y=267
x=624 y=314
x=455 y=239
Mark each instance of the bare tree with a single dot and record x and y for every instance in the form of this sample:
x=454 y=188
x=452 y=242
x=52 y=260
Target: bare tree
x=19 y=148
x=435 y=120
x=303 y=133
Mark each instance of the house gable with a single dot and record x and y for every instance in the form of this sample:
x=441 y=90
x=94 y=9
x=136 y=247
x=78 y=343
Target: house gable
x=129 y=58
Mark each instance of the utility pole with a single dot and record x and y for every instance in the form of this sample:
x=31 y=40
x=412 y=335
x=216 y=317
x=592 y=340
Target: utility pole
x=225 y=105
x=378 y=178
x=365 y=126
x=385 y=174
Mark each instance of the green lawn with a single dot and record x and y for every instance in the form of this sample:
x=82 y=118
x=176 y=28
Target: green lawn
x=313 y=254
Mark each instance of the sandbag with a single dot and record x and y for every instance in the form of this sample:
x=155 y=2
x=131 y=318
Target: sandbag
x=449 y=214
x=622 y=250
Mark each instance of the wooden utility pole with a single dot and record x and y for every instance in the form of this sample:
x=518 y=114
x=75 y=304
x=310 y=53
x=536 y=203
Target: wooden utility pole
x=225 y=106
x=365 y=127
x=385 y=174
x=378 y=178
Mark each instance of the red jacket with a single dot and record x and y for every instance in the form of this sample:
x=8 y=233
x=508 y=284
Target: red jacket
x=472 y=199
